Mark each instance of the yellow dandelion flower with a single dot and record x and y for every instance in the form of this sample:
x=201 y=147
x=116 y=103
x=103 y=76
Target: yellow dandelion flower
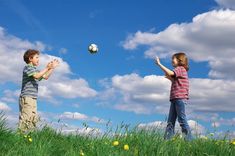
x=30 y=139
x=115 y=143
x=174 y=138
x=126 y=147
x=81 y=153
x=233 y=142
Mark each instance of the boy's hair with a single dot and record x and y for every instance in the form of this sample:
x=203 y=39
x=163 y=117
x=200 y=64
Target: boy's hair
x=29 y=54
x=182 y=60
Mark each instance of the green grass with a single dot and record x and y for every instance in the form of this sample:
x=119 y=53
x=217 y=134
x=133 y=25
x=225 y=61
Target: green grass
x=141 y=143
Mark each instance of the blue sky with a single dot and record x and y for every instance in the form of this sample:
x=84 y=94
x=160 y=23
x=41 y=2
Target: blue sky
x=121 y=82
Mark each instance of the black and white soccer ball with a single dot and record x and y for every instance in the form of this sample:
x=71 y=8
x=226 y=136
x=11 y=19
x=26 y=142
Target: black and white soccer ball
x=93 y=48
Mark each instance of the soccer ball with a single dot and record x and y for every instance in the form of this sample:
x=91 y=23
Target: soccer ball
x=93 y=48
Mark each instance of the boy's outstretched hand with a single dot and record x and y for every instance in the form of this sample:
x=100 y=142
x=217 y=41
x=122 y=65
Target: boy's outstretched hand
x=50 y=65
x=157 y=61
x=55 y=63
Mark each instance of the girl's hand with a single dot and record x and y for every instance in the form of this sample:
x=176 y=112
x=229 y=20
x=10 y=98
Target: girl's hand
x=157 y=61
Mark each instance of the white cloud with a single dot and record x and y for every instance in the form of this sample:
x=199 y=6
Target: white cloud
x=10 y=96
x=60 y=122
x=136 y=94
x=150 y=94
x=4 y=107
x=12 y=119
x=134 y=107
x=209 y=37
x=82 y=131
x=63 y=51
x=149 y=88
x=226 y=3
x=195 y=127
x=79 y=116
x=140 y=95
x=220 y=121
x=212 y=95
x=12 y=49
x=72 y=88
x=76 y=105
x=215 y=124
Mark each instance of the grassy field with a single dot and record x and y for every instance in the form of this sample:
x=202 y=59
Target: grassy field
x=134 y=143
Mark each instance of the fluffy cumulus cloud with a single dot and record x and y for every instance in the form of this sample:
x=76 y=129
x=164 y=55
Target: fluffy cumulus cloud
x=150 y=94
x=10 y=96
x=212 y=95
x=209 y=37
x=140 y=95
x=61 y=123
x=4 y=107
x=226 y=3
x=63 y=51
x=12 y=49
x=82 y=117
x=82 y=131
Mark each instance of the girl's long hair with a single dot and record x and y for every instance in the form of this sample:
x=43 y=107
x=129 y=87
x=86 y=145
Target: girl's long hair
x=182 y=60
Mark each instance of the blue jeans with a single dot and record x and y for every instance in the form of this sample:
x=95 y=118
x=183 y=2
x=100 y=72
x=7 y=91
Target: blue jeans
x=177 y=110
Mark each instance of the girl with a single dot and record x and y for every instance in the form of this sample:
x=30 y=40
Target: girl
x=179 y=94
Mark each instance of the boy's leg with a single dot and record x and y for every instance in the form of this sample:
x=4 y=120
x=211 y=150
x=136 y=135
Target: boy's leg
x=26 y=114
x=34 y=113
x=180 y=108
x=171 y=122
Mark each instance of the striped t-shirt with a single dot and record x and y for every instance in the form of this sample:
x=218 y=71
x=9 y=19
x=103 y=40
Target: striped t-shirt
x=29 y=83
x=180 y=84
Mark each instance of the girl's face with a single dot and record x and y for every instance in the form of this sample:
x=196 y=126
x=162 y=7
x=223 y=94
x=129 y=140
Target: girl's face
x=34 y=60
x=174 y=62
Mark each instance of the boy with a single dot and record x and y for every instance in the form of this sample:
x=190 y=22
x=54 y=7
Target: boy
x=29 y=91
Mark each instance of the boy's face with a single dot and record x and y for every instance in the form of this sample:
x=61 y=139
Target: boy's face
x=174 y=62
x=34 y=60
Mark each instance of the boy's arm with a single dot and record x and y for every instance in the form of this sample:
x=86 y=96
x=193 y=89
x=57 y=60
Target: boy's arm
x=40 y=74
x=54 y=64
x=165 y=69
x=48 y=74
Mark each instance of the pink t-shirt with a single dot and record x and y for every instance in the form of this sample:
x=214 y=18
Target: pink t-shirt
x=180 y=84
